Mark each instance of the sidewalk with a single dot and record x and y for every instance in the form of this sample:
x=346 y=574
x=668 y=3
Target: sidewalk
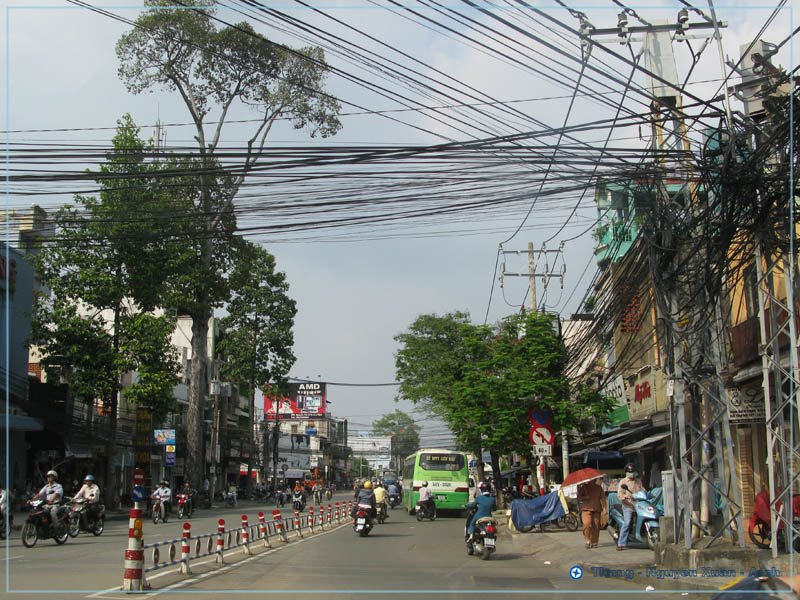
x=636 y=564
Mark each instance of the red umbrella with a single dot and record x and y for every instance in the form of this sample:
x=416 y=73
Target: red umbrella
x=581 y=476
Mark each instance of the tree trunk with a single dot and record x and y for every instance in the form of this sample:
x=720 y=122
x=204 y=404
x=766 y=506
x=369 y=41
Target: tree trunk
x=498 y=480
x=111 y=491
x=198 y=384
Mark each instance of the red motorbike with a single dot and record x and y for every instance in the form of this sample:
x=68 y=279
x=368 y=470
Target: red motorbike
x=183 y=506
x=760 y=528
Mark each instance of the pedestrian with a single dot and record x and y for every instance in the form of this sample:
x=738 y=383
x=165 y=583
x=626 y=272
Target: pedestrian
x=591 y=495
x=627 y=487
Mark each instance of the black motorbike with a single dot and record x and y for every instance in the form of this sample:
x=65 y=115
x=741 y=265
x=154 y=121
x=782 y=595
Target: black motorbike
x=483 y=541
x=362 y=520
x=380 y=512
x=5 y=526
x=39 y=524
x=86 y=517
x=426 y=510
x=394 y=500
x=299 y=502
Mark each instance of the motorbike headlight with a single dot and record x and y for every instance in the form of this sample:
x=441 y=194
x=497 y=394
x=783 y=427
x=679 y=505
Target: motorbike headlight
x=651 y=510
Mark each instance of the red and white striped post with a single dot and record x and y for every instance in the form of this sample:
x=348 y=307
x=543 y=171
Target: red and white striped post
x=220 y=541
x=330 y=514
x=185 y=550
x=349 y=508
x=276 y=517
x=262 y=528
x=133 y=579
x=311 y=518
x=337 y=513
x=245 y=535
x=297 y=523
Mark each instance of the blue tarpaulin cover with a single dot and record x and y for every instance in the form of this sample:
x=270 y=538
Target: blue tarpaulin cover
x=525 y=513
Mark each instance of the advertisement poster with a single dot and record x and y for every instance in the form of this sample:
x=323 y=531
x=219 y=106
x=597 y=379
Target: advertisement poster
x=164 y=437
x=304 y=400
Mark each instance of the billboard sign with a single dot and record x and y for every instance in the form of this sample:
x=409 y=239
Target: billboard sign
x=304 y=400
x=164 y=437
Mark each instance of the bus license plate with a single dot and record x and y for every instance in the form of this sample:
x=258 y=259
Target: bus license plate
x=489 y=542
x=441 y=498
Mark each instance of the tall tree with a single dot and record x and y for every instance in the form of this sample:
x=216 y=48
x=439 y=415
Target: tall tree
x=104 y=273
x=483 y=381
x=257 y=333
x=181 y=50
x=403 y=430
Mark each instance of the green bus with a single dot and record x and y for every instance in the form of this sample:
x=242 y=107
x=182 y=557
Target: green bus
x=447 y=474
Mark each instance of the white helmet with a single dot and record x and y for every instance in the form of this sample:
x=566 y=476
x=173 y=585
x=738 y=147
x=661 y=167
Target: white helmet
x=53 y=473
x=424 y=484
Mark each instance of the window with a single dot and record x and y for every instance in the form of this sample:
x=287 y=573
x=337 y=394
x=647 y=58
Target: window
x=441 y=462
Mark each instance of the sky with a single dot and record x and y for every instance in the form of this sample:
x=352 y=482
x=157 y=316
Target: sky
x=358 y=288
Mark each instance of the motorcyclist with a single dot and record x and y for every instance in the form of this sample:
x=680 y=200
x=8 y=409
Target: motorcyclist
x=627 y=487
x=393 y=489
x=426 y=496
x=163 y=493
x=299 y=490
x=382 y=497
x=90 y=493
x=317 y=490
x=367 y=496
x=51 y=493
x=485 y=504
x=188 y=490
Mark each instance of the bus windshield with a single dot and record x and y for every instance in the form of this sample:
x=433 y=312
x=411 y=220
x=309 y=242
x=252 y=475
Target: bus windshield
x=441 y=462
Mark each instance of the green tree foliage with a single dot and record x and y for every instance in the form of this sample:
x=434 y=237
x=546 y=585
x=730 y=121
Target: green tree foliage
x=483 y=381
x=257 y=333
x=402 y=428
x=180 y=50
x=104 y=271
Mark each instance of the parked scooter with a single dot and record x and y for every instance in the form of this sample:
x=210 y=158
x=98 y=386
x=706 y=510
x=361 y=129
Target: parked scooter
x=362 y=522
x=428 y=510
x=647 y=510
x=39 y=525
x=484 y=535
x=84 y=517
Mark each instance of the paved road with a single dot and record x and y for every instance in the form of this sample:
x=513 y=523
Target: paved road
x=399 y=557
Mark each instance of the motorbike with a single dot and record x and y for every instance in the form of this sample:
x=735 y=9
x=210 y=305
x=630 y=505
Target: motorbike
x=5 y=526
x=380 y=512
x=317 y=496
x=159 y=511
x=644 y=526
x=299 y=501
x=39 y=525
x=328 y=494
x=83 y=518
x=183 y=506
x=484 y=535
x=759 y=527
x=394 y=500
x=428 y=510
x=230 y=499
x=362 y=522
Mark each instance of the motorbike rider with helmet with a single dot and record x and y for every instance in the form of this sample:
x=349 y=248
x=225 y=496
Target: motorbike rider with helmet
x=485 y=504
x=51 y=493
x=90 y=492
x=426 y=496
x=165 y=494
x=382 y=497
x=189 y=491
x=367 y=496
x=627 y=487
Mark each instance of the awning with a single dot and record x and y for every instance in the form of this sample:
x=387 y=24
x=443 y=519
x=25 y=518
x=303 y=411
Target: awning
x=21 y=423
x=648 y=441
x=611 y=440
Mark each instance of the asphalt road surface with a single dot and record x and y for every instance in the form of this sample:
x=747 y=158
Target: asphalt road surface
x=399 y=558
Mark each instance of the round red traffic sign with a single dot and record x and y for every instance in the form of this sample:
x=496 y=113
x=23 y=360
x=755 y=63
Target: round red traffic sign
x=138 y=476
x=541 y=435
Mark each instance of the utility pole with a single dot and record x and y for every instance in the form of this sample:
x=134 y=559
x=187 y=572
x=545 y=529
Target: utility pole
x=546 y=277
x=688 y=304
